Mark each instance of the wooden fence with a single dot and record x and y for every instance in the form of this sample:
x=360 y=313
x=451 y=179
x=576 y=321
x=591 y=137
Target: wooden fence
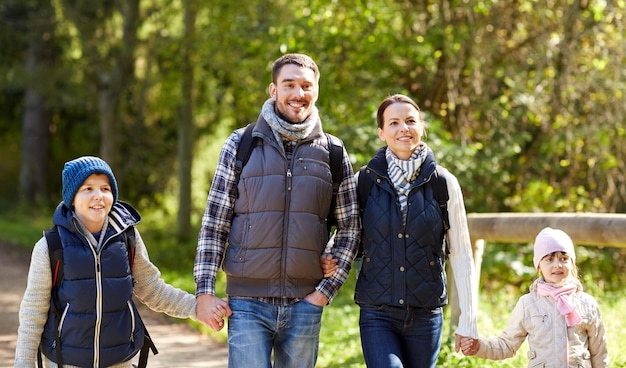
x=592 y=229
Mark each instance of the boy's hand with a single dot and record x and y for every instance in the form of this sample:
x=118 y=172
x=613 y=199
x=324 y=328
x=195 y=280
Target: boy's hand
x=212 y=310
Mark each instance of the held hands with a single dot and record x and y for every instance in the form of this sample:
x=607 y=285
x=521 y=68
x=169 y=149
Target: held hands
x=467 y=345
x=329 y=264
x=212 y=310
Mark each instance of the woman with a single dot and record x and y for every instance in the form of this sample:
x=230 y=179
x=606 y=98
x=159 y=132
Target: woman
x=401 y=287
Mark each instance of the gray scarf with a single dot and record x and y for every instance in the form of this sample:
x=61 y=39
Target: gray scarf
x=285 y=130
x=404 y=172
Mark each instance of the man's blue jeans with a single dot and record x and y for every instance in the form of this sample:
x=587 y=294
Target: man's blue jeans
x=400 y=337
x=256 y=328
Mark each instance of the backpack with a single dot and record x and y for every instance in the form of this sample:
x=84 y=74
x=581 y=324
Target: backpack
x=247 y=143
x=440 y=192
x=55 y=251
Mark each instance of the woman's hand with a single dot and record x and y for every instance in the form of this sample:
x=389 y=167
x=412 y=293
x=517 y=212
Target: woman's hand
x=467 y=345
x=329 y=264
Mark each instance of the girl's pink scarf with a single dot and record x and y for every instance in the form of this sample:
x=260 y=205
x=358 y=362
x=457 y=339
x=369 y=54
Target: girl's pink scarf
x=563 y=301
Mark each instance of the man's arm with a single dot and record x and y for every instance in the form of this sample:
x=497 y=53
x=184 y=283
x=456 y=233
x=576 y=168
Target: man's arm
x=217 y=220
x=348 y=233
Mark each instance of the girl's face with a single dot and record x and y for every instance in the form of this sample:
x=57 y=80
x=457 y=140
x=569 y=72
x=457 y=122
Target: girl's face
x=556 y=268
x=402 y=129
x=93 y=202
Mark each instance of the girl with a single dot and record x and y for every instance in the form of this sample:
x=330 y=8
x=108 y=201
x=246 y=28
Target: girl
x=562 y=323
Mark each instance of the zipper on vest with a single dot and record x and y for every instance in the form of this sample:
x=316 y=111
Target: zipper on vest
x=62 y=320
x=132 y=321
x=98 y=324
x=289 y=179
x=283 y=256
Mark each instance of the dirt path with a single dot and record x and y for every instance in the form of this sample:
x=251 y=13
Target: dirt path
x=179 y=345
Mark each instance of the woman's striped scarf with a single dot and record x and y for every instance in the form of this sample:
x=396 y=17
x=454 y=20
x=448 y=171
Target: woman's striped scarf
x=404 y=172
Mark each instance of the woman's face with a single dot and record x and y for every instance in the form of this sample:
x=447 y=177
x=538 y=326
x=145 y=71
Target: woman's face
x=402 y=129
x=93 y=202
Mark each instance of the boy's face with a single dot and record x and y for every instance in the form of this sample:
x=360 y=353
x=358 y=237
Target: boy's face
x=93 y=202
x=556 y=268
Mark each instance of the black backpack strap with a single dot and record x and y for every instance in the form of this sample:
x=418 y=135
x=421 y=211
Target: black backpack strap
x=335 y=149
x=129 y=240
x=364 y=186
x=55 y=252
x=148 y=345
x=440 y=192
x=244 y=150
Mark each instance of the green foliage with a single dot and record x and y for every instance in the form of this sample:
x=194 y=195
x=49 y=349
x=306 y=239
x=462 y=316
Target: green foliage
x=22 y=230
x=504 y=85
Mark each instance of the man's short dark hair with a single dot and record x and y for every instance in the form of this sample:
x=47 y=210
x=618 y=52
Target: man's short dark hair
x=301 y=60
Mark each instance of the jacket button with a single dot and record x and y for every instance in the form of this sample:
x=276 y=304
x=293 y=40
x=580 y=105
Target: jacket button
x=401 y=301
x=400 y=235
x=432 y=263
x=401 y=268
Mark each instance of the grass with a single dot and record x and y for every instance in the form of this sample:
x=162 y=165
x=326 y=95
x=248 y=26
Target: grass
x=339 y=339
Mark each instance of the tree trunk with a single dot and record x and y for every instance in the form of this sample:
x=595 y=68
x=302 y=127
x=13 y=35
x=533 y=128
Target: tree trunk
x=36 y=120
x=185 y=126
x=114 y=89
x=35 y=148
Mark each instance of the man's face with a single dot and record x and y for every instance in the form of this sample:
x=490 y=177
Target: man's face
x=295 y=92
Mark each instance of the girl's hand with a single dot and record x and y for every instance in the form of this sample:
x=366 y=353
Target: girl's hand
x=467 y=345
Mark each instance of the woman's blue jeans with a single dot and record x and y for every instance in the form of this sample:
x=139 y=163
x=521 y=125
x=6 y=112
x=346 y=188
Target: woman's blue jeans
x=257 y=329
x=400 y=337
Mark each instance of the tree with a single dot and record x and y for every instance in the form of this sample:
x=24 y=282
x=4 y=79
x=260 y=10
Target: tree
x=36 y=121
x=185 y=126
x=108 y=49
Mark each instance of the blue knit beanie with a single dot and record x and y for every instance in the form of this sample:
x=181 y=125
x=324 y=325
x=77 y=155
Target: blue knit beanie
x=78 y=170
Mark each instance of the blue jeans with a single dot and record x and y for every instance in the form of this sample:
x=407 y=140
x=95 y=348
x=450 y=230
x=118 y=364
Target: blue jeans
x=400 y=337
x=256 y=328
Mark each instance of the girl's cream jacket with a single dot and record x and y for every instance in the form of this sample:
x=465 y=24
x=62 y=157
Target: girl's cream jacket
x=551 y=343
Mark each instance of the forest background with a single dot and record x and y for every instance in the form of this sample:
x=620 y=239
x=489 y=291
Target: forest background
x=524 y=101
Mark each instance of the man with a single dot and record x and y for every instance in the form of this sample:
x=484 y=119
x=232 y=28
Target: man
x=274 y=222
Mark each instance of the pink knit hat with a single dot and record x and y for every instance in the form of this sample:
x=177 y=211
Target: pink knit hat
x=552 y=240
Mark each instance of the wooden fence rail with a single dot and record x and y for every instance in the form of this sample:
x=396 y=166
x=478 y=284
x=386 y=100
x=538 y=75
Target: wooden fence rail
x=597 y=229
x=592 y=229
